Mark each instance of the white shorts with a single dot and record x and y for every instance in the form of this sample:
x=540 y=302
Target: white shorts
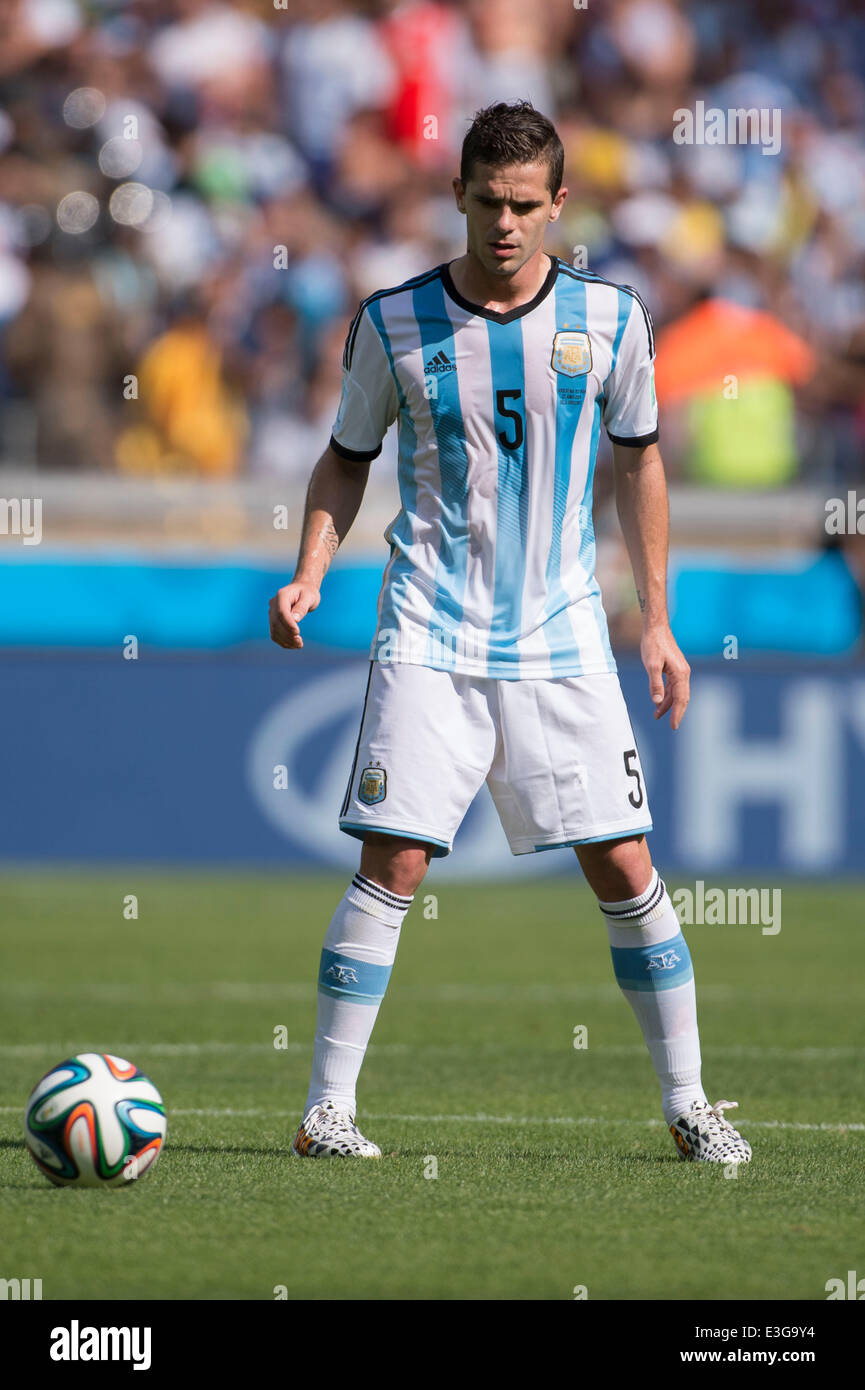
x=559 y=757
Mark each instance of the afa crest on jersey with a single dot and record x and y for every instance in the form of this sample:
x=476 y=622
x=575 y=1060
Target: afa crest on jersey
x=572 y=354
x=373 y=785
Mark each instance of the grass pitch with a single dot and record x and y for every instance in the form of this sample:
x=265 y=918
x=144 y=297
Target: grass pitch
x=554 y=1170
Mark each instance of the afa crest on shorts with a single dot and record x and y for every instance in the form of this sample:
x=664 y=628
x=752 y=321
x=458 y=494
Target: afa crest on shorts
x=572 y=354
x=373 y=785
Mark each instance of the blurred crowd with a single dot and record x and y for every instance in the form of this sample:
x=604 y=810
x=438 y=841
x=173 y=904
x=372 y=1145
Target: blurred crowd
x=194 y=195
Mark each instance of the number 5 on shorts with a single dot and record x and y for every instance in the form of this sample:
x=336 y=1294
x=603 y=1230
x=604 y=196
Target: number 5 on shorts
x=635 y=800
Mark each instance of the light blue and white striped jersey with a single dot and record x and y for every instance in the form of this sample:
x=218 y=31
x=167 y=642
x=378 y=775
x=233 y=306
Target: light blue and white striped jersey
x=491 y=570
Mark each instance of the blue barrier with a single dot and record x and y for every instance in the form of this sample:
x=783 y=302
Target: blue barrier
x=802 y=603
x=172 y=604
x=170 y=758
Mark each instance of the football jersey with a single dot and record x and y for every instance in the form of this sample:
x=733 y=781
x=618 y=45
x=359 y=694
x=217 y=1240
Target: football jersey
x=492 y=554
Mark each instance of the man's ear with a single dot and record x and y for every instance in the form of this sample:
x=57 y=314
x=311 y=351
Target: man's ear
x=460 y=194
x=558 y=204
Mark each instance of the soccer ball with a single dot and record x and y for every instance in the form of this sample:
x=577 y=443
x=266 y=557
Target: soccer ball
x=94 y=1121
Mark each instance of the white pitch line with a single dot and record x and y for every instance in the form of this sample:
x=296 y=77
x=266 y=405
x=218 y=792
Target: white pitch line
x=190 y=1049
x=513 y=1120
x=524 y=1120
x=594 y=1120
x=219 y=1047
x=301 y=992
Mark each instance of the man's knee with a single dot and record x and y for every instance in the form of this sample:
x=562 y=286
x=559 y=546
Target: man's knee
x=617 y=870
x=397 y=864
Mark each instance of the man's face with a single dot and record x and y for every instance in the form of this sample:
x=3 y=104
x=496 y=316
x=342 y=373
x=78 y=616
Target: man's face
x=508 y=210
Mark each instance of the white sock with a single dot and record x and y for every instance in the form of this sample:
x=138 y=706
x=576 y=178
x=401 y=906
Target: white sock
x=356 y=960
x=653 y=967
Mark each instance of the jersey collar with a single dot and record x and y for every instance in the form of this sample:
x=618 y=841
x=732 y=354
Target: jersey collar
x=493 y=314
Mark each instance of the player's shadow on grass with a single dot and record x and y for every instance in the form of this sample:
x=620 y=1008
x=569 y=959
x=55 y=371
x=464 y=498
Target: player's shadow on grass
x=552 y=1158
x=666 y=1160
x=180 y=1148
x=275 y=1152
x=34 y=1184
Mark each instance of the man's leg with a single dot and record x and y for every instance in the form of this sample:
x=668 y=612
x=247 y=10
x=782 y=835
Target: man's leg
x=424 y=747
x=356 y=961
x=651 y=961
x=653 y=968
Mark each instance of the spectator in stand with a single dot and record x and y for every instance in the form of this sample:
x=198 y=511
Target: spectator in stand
x=733 y=369
x=190 y=419
x=284 y=157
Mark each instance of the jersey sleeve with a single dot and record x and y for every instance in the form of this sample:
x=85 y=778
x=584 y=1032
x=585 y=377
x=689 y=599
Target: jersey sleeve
x=630 y=409
x=368 y=404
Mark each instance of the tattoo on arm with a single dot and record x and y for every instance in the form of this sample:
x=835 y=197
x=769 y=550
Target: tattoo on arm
x=641 y=601
x=329 y=538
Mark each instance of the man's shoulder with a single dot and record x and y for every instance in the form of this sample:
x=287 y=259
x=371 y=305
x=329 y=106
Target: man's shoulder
x=407 y=288
x=392 y=299
x=591 y=277
x=623 y=294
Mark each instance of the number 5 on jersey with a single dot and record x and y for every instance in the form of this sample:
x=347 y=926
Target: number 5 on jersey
x=513 y=437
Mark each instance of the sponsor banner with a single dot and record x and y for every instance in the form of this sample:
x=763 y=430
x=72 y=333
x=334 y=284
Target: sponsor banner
x=243 y=759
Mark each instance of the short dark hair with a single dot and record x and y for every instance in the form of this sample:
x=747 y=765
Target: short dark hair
x=513 y=134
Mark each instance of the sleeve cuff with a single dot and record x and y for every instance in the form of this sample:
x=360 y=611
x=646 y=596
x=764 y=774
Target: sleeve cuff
x=354 y=455
x=637 y=441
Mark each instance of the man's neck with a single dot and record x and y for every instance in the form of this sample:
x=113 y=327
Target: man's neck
x=499 y=293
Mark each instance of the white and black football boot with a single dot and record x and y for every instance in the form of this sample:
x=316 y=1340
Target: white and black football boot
x=326 y=1132
x=704 y=1136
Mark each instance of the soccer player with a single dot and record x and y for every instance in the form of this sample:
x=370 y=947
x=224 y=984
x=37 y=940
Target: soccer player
x=491 y=659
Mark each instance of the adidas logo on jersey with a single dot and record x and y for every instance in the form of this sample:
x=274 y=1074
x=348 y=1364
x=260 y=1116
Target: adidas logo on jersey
x=440 y=363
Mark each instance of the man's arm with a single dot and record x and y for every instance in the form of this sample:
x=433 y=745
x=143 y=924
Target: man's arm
x=333 y=499
x=641 y=501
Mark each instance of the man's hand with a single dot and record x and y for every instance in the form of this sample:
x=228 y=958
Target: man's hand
x=286 y=610
x=662 y=657
x=332 y=501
